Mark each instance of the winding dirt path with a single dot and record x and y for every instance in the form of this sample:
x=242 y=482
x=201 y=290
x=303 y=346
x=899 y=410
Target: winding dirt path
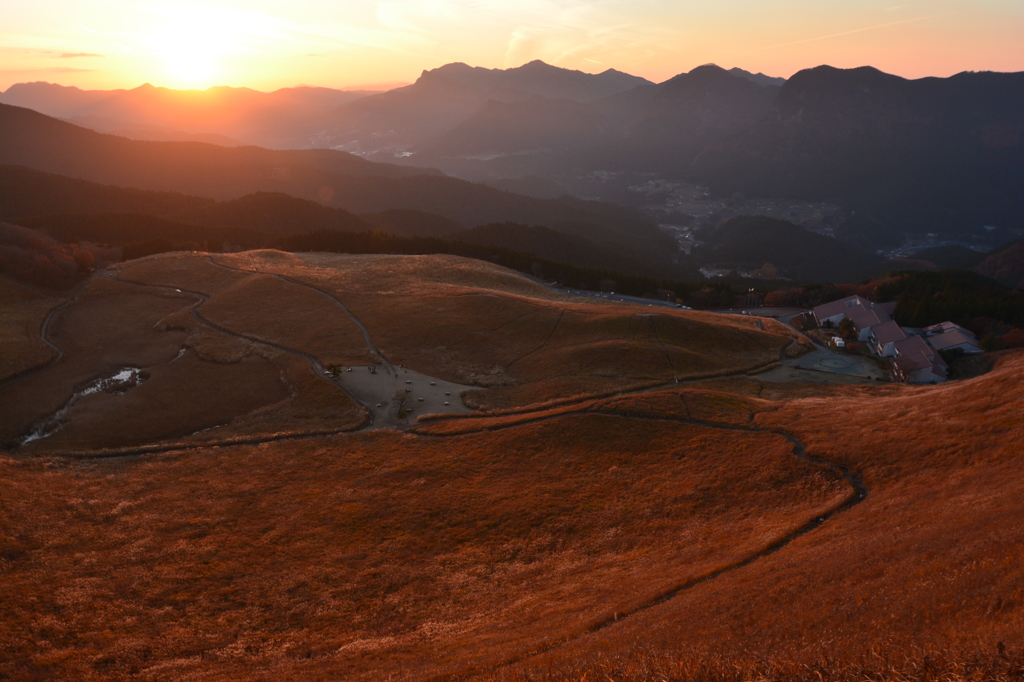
x=44 y=329
x=316 y=366
x=859 y=492
x=355 y=320
x=319 y=370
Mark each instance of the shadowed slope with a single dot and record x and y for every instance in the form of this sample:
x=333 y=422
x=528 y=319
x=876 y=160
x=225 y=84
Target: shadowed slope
x=22 y=312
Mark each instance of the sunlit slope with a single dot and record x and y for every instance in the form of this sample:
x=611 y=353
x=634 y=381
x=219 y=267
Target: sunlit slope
x=382 y=555
x=550 y=536
x=471 y=322
x=927 y=565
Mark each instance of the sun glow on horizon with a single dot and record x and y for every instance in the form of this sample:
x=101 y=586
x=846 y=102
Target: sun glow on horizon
x=195 y=44
x=192 y=43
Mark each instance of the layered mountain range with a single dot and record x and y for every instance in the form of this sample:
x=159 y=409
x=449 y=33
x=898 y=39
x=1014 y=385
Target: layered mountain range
x=937 y=157
x=52 y=168
x=290 y=118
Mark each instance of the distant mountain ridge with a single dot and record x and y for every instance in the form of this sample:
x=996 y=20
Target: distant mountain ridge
x=441 y=99
x=289 y=118
x=909 y=159
x=331 y=178
x=310 y=117
x=537 y=78
x=758 y=78
x=76 y=211
x=651 y=124
x=934 y=155
x=905 y=159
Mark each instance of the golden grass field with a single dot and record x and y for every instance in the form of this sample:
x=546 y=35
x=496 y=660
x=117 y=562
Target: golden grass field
x=923 y=580
x=571 y=530
x=374 y=555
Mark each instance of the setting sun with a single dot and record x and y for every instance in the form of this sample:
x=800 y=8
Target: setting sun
x=191 y=43
x=195 y=67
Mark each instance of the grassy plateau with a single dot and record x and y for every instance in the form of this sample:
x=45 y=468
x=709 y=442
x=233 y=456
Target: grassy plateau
x=625 y=500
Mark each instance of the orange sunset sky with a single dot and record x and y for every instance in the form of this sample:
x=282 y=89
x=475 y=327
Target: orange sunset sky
x=103 y=44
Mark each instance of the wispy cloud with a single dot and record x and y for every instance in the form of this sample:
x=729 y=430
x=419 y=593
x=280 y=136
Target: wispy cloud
x=56 y=69
x=854 y=31
x=76 y=55
x=248 y=32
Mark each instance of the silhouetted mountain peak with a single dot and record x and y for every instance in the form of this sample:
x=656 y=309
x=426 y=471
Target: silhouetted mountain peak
x=759 y=78
x=830 y=78
x=37 y=86
x=537 y=64
x=863 y=88
x=447 y=70
x=533 y=78
x=708 y=77
x=709 y=68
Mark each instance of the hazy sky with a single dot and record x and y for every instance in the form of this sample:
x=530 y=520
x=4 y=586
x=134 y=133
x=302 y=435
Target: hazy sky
x=267 y=45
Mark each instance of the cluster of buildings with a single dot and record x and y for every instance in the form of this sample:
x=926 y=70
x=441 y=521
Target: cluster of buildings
x=914 y=352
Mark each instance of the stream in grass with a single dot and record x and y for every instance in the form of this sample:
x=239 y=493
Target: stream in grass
x=120 y=382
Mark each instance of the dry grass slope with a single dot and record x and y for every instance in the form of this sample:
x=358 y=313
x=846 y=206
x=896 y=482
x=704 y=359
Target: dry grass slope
x=920 y=581
x=376 y=555
x=535 y=541
x=200 y=384
x=475 y=323
x=22 y=311
x=273 y=310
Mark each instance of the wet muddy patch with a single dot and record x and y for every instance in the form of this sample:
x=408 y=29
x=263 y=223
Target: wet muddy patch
x=118 y=383
x=168 y=401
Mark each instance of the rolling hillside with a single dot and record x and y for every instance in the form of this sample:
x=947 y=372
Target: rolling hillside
x=266 y=528
x=1005 y=265
x=332 y=178
x=505 y=340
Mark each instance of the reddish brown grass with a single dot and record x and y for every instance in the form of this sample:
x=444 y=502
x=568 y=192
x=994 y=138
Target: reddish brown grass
x=882 y=664
x=110 y=326
x=200 y=396
x=227 y=388
x=384 y=554
x=931 y=559
x=292 y=316
x=474 y=323
x=527 y=546
x=181 y=270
